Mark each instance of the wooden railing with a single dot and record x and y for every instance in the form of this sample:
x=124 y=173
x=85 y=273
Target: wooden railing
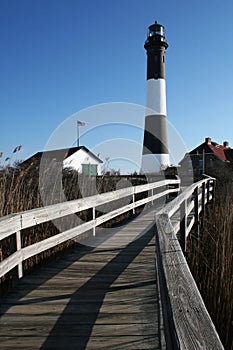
x=15 y=223
x=184 y=318
x=186 y=322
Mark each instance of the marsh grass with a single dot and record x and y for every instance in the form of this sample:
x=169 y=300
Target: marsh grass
x=211 y=256
x=19 y=191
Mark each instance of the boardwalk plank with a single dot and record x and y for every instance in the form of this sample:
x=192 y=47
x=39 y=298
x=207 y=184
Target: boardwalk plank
x=100 y=297
x=98 y=343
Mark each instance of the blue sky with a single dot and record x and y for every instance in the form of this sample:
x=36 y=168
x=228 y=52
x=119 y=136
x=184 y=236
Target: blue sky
x=59 y=57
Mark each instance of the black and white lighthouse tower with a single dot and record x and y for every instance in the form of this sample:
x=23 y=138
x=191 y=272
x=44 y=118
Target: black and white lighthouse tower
x=155 y=155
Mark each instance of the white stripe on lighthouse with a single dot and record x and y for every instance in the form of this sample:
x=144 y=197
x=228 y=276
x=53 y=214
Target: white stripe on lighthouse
x=152 y=163
x=156 y=96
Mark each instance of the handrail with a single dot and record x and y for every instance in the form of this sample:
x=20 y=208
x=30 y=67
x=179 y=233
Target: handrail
x=187 y=323
x=13 y=224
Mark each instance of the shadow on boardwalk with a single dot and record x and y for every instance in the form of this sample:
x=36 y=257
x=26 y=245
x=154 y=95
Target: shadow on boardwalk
x=76 y=296
x=86 y=311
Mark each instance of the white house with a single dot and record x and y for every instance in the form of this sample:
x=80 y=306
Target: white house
x=84 y=161
x=80 y=159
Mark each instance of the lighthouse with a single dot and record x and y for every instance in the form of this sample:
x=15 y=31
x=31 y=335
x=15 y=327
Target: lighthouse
x=155 y=155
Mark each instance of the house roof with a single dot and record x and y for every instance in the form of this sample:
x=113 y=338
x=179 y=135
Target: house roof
x=59 y=155
x=224 y=153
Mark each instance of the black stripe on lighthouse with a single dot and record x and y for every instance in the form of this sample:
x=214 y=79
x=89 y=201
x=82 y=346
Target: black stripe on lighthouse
x=155 y=62
x=155 y=126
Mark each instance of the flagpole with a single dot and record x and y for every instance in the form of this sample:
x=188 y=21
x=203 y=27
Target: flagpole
x=78 y=125
x=77 y=134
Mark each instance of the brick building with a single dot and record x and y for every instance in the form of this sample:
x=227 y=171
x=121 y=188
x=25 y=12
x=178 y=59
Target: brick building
x=203 y=156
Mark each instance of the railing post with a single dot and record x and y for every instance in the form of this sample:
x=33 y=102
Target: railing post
x=18 y=247
x=196 y=211
x=152 y=193
x=203 y=188
x=93 y=217
x=133 y=202
x=203 y=199
x=183 y=224
x=168 y=194
x=1 y=258
x=208 y=191
x=213 y=191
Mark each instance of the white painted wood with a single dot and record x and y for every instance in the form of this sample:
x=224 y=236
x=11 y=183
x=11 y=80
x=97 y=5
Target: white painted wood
x=10 y=262
x=94 y=219
x=152 y=193
x=147 y=187
x=188 y=321
x=134 y=203
x=100 y=220
x=190 y=207
x=190 y=226
x=36 y=248
x=174 y=205
x=199 y=208
x=176 y=226
x=80 y=157
x=13 y=260
x=18 y=247
x=16 y=222
x=192 y=323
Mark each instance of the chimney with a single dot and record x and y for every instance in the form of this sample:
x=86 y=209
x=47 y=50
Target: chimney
x=226 y=144
x=208 y=140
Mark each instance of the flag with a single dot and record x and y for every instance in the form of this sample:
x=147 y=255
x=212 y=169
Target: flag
x=17 y=149
x=1 y=154
x=80 y=123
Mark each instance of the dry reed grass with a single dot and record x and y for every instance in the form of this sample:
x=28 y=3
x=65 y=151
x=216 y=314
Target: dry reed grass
x=211 y=256
x=19 y=191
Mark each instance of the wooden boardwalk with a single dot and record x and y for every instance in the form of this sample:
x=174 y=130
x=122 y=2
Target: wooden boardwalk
x=102 y=297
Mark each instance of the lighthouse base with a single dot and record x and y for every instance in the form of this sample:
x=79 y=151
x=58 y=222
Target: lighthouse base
x=154 y=163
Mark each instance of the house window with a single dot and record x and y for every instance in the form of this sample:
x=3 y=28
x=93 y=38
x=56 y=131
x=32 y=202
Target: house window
x=89 y=169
